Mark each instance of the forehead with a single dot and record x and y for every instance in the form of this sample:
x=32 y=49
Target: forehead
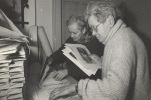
x=73 y=26
x=92 y=20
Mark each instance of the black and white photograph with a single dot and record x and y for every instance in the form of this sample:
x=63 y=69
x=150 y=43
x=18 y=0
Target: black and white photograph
x=75 y=50
x=85 y=55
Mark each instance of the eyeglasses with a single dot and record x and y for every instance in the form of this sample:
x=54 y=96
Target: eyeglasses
x=95 y=28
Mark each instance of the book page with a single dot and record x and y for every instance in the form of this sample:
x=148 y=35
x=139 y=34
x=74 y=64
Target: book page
x=83 y=58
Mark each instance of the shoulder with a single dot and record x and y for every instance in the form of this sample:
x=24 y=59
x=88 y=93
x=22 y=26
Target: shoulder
x=69 y=40
x=95 y=41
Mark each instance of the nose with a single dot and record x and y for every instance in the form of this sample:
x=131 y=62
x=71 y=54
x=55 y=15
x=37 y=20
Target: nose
x=94 y=33
x=72 y=35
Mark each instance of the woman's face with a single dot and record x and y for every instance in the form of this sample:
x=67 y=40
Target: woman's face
x=75 y=31
x=99 y=30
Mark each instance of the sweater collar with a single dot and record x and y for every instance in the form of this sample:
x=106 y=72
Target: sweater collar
x=114 y=29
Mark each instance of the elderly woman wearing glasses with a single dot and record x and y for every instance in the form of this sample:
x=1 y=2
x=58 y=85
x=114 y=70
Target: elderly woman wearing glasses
x=125 y=71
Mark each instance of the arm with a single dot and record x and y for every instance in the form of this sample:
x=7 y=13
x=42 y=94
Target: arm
x=117 y=80
x=57 y=57
x=95 y=47
x=68 y=90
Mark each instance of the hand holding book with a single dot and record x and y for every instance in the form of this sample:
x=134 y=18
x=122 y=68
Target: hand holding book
x=97 y=59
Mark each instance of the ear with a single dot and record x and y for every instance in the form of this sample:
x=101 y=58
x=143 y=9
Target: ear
x=110 y=21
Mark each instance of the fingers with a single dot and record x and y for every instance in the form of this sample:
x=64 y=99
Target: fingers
x=82 y=85
x=59 y=75
x=97 y=59
x=51 y=82
x=84 y=91
x=54 y=94
x=54 y=74
x=62 y=91
x=57 y=93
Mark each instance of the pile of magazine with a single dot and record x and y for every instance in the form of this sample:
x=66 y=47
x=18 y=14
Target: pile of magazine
x=12 y=57
x=81 y=56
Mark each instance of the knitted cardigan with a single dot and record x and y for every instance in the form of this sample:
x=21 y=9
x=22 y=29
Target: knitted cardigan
x=124 y=68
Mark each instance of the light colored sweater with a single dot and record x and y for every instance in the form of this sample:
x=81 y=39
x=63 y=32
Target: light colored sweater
x=124 y=68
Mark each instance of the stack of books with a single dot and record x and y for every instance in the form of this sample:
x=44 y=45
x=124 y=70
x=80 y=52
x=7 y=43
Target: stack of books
x=12 y=57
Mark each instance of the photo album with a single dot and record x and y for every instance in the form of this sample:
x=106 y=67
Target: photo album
x=81 y=57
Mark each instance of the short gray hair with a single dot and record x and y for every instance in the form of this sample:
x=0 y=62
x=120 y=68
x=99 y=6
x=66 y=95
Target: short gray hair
x=77 y=19
x=102 y=9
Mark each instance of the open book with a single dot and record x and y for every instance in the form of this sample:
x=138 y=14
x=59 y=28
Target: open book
x=80 y=56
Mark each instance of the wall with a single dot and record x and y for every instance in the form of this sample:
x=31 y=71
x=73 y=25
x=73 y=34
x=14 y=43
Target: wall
x=138 y=16
x=30 y=14
x=46 y=13
x=44 y=16
x=56 y=16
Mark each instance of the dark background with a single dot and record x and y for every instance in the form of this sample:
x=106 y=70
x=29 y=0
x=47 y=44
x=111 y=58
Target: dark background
x=137 y=14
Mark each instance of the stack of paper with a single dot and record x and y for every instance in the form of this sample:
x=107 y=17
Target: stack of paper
x=12 y=57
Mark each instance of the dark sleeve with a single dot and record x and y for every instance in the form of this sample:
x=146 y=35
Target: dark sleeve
x=95 y=47
x=58 y=56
